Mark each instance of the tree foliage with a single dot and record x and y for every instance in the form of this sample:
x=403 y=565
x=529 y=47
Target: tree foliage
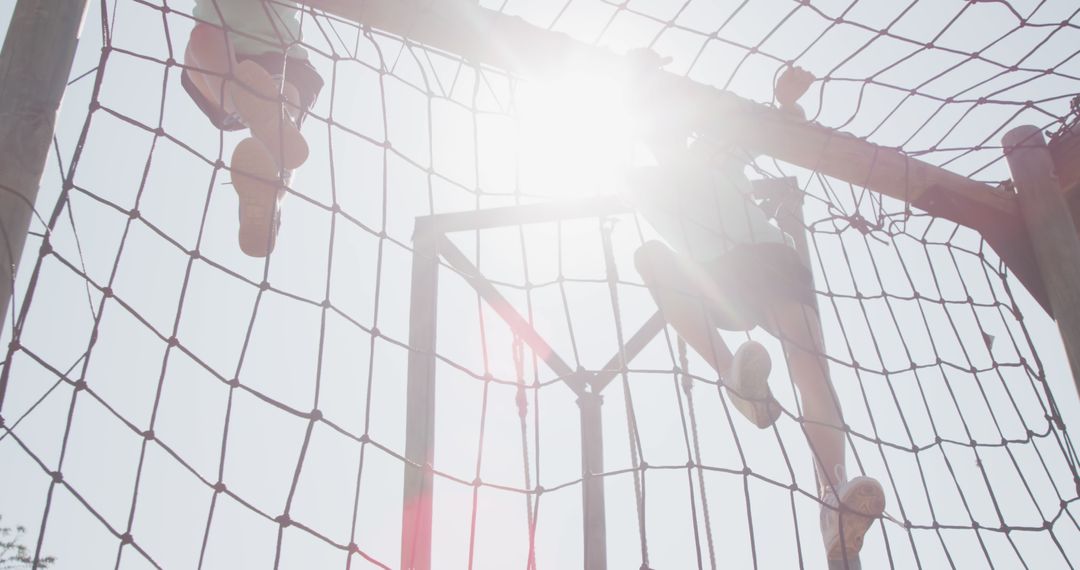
x=14 y=555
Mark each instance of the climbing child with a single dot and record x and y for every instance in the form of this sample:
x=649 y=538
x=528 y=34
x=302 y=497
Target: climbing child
x=245 y=69
x=729 y=267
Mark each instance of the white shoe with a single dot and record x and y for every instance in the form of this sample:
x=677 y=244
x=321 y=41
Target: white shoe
x=260 y=188
x=844 y=521
x=748 y=384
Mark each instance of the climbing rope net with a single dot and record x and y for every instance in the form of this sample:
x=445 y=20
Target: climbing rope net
x=171 y=403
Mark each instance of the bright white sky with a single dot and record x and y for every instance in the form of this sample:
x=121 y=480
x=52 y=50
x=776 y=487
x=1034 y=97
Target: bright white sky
x=566 y=140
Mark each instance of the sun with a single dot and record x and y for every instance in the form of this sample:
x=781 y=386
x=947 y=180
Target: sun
x=576 y=134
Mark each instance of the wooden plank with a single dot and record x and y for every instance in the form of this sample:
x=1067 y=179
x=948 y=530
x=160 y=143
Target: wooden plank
x=460 y=27
x=488 y=37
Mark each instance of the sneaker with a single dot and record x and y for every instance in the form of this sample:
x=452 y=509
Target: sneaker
x=257 y=98
x=748 y=384
x=845 y=520
x=260 y=190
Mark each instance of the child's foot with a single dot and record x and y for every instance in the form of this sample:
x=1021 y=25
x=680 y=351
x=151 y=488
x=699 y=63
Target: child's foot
x=255 y=178
x=748 y=384
x=257 y=99
x=861 y=500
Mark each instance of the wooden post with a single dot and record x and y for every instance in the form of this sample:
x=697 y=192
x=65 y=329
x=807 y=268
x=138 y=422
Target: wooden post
x=34 y=68
x=1052 y=231
x=420 y=403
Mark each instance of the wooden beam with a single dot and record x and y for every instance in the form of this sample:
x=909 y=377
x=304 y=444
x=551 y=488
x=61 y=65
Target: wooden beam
x=1053 y=232
x=491 y=38
x=476 y=34
x=487 y=37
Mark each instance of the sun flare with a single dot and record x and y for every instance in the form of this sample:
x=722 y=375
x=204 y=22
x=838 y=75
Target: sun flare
x=576 y=135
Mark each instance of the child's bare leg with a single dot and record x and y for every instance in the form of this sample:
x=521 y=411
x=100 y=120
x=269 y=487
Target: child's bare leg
x=258 y=180
x=849 y=507
x=798 y=329
x=688 y=298
x=255 y=95
x=208 y=50
x=674 y=285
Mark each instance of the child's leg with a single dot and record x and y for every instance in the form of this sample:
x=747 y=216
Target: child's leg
x=260 y=186
x=797 y=327
x=255 y=95
x=208 y=50
x=850 y=507
x=225 y=87
x=687 y=296
x=675 y=286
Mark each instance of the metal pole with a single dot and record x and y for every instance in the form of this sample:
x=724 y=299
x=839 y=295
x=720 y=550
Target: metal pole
x=420 y=404
x=519 y=324
x=592 y=488
x=34 y=68
x=543 y=212
x=1052 y=232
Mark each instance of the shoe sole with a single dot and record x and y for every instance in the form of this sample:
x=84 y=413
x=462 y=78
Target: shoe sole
x=257 y=98
x=254 y=177
x=750 y=392
x=862 y=507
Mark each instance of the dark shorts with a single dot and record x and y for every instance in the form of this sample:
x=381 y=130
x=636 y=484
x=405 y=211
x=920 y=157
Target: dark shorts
x=298 y=72
x=756 y=278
